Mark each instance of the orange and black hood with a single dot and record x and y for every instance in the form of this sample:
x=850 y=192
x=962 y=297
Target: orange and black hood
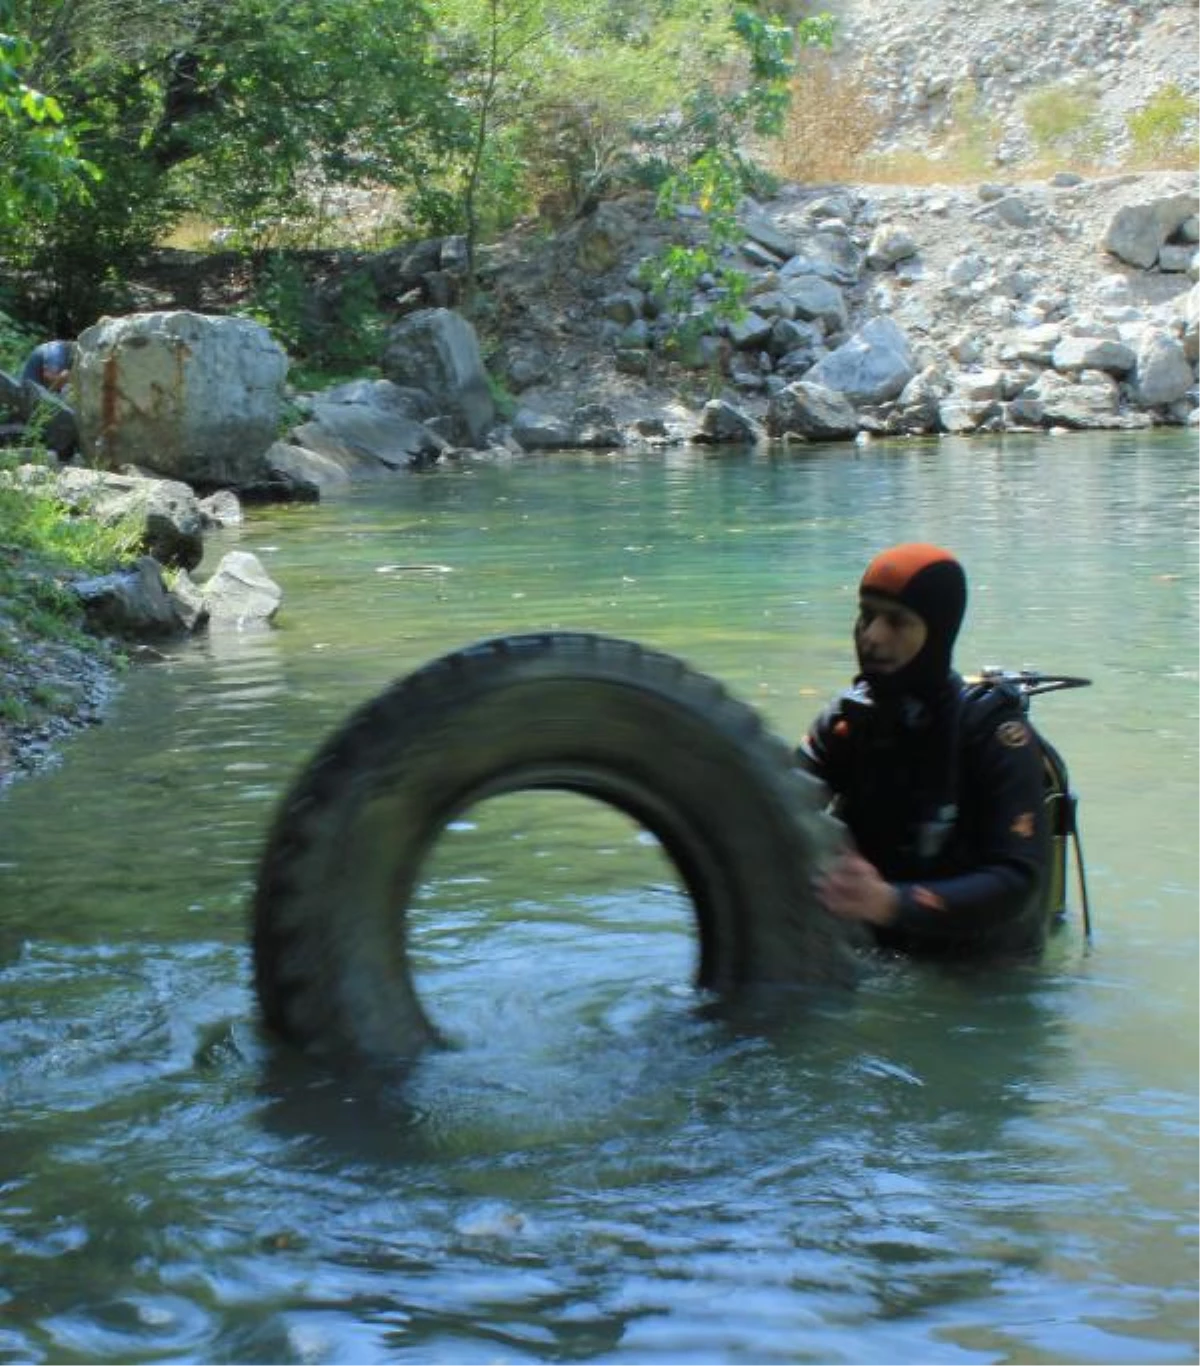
x=930 y=582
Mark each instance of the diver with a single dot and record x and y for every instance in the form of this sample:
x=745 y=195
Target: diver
x=939 y=783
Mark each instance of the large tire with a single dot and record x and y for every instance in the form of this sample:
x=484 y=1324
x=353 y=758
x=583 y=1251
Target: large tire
x=606 y=718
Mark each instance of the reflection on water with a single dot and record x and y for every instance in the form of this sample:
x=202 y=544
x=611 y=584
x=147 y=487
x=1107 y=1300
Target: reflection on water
x=939 y=1167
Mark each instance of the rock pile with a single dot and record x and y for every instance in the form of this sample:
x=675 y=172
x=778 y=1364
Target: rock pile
x=919 y=56
x=1062 y=303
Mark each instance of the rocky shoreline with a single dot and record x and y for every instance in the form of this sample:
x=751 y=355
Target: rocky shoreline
x=1048 y=305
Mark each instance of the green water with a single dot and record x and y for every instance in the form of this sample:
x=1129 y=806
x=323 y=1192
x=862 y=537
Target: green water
x=934 y=1169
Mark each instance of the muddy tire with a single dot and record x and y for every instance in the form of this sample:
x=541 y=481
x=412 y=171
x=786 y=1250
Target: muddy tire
x=606 y=718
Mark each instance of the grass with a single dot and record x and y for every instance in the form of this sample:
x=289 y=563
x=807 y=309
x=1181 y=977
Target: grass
x=1163 y=131
x=46 y=653
x=1064 y=123
x=43 y=545
x=835 y=121
x=831 y=124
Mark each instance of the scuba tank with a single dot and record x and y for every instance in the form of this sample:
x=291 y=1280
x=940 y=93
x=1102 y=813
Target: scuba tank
x=1060 y=802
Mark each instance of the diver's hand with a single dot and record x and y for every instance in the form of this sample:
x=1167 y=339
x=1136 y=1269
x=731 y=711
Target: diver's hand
x=853 y=889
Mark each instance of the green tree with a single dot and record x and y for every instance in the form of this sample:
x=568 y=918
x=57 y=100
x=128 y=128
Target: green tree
x=242 y=110
x=566 y=98
x=718 y=122
x=40 y=164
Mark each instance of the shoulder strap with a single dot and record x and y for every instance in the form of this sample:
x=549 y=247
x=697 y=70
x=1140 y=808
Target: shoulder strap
x=985 y=705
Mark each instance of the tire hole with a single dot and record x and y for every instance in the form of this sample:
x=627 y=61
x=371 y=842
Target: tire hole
x=540 y=914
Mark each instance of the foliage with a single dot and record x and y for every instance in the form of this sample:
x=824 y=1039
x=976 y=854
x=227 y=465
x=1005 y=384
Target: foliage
x=974 y=134
x=1163 y=130
x=567 y=100
x=40 y=164
x=1064 y=122
x=243 y=111
x=831 y=124
x=335 y=327
x=714 y=181
x=16 y=341
x=43 y=543
x=33 y=519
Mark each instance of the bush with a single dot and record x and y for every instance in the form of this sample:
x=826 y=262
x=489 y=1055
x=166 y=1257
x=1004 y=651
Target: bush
x=1163 y=131
x=334 y=325
x=831 y=123
x=16 y=342
x=1064 y=122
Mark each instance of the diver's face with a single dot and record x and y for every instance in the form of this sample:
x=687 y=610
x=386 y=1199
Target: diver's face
x=887 y=636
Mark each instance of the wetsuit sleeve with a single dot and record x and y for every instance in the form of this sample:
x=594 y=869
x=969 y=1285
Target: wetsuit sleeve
x=1005 y=773
x=819 y=753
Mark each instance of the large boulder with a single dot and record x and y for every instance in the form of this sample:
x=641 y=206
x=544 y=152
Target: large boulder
x=872 y=367
x=184 y=395
x=437 y=350
x=133 y=603
x=811 y=411
x=1164 y=375
x=370 y=427
x=1137 y=232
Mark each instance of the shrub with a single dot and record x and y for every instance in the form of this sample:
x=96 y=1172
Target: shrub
x=1163 y=130
x=333 y=326
x=831 y=123
x=1064 y=122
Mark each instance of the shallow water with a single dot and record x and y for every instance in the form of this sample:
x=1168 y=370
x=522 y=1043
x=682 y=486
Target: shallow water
x=936 y=1168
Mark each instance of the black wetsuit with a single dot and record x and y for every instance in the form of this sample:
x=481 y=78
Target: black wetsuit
x=944 y=795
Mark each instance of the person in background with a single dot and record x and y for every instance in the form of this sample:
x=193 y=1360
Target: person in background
x=50 y=365
x=940 y=785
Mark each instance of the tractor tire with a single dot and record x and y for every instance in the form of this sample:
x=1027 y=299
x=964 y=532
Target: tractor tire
x=632 y=727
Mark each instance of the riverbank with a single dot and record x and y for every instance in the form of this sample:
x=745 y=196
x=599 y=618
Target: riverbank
x=982 y=264
x=55 y=679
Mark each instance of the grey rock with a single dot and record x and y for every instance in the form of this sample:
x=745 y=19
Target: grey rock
x=363 y=440
x=437 y=351
x=890 y=244
x=1093 y=353
x=873 y=366
x=1136 y=232
x=980 y=386
x=221 y=509
x=811 y=411
x=749 y=332
x=1089 y=401
x=594 y=426
x=132 y=603
x=1164 y=375
x=623 y=306
x=240 y=592
x=185 y=395
x=534 y=430
x=325 y=470
x=760 y=230
x=830 y=255
x=817 y=299
x=724 y=422
x=1176 y=259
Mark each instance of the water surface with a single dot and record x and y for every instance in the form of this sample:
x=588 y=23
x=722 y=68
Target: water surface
x=938 y=1168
